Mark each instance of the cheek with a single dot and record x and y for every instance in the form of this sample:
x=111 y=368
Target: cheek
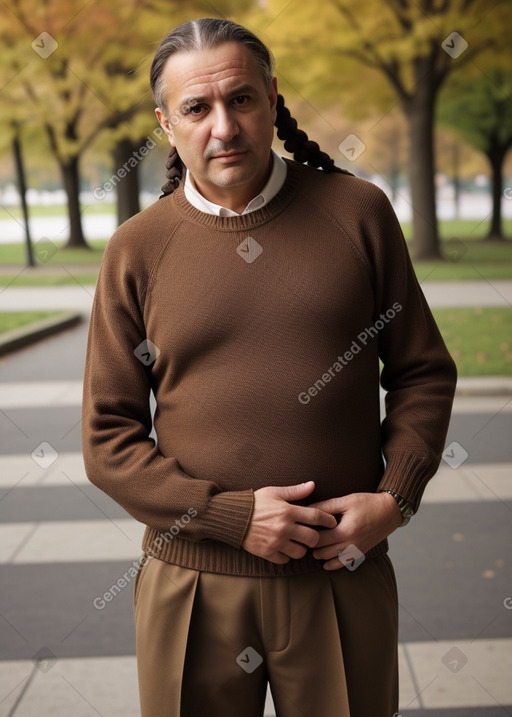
x=191 y=140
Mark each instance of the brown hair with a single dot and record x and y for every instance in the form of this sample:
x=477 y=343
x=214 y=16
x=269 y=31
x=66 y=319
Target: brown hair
x=203 y=34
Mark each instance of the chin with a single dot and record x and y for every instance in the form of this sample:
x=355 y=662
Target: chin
x=232 y=178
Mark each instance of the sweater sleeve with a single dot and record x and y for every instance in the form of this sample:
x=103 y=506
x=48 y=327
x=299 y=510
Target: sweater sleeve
x=418 y=372
x=120 y=456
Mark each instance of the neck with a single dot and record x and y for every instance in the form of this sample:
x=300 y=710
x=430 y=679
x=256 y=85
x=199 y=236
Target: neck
x=234 y=198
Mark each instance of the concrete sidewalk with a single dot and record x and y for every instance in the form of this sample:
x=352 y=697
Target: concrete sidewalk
x=440 y=294
x=62 y=544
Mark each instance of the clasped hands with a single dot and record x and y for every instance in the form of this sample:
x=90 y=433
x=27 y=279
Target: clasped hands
x=279 y=531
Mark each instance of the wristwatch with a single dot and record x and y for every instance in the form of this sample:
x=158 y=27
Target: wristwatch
x=405 y=508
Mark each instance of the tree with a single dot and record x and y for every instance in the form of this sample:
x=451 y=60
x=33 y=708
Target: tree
x=414 y=46
x=480 y=111
x=61 y=53
x=83 y=70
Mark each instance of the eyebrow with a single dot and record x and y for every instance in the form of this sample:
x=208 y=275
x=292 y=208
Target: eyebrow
x=240 y=90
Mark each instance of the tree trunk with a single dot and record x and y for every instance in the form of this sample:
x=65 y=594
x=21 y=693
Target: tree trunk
x=419 y=110
x=22 y=186
x=456 y=181
x=394 y=164
x=496 y=158
x=71 y=180
x=128 y=187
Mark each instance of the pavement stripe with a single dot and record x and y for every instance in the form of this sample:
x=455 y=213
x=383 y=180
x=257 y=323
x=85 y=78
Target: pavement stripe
x=37 y=394
x=70 y=541
x=451 y=674
x=114 y=538
x=440 y=294
x=48 y=298
x=432 y=676
x=473 y=482
x=23 y=470
x=34 y=394
x=84 y=501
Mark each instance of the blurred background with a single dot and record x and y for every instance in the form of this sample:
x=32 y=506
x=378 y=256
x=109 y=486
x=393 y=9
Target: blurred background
x=413 y=95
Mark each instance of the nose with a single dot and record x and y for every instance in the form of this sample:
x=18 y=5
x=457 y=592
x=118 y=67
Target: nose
x=224 y=125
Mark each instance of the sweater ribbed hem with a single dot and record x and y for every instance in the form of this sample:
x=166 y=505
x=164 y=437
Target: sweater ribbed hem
x=212 y=556
x=407 y=474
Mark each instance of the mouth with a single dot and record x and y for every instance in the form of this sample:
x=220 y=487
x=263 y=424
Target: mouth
x=227 y=157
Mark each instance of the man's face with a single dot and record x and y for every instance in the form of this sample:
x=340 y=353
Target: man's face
x=225 y=136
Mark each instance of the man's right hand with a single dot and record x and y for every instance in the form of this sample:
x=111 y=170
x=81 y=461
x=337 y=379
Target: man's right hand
x=278 y=530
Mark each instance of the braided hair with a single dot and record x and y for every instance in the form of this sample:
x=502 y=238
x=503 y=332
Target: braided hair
x=203 y=34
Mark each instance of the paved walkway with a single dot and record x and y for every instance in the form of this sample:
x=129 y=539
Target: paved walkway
x=63 y=544
x=439 y=294
x=59 y=533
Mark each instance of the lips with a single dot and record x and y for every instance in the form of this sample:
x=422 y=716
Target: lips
x=230 y=156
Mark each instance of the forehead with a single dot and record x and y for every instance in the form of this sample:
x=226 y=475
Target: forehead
x=200 y=73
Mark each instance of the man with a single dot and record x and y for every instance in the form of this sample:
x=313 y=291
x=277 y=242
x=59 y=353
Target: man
x=255 y=299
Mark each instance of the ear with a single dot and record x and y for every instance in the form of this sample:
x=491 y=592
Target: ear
x=272 y=96
x=165 y=125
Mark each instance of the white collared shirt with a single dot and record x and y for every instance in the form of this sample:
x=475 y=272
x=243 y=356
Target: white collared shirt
x=269 y=191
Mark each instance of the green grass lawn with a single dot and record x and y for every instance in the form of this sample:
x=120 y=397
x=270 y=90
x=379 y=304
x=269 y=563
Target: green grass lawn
x=52 y=253
x=55 y=210
x=64 y=279
x=468 y=229
x=17 y=319
x=467 y=257
x=479 y=340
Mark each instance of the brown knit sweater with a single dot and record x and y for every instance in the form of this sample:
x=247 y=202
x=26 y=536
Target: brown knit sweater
x=260 y=336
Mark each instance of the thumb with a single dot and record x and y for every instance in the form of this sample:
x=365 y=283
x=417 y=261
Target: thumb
x=294 y=492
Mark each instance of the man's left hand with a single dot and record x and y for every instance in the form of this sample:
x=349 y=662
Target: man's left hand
x=366 y=519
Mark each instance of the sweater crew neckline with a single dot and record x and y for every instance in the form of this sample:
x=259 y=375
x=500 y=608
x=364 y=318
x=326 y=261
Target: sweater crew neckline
x=243 y=221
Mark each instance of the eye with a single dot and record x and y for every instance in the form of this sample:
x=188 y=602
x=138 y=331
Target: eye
x=241 y=100
x=195 y=109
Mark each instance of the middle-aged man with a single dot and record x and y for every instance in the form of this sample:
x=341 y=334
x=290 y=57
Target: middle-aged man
x=255 y=299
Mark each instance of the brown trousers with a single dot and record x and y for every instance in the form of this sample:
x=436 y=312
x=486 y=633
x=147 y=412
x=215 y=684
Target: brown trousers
x=208 y=644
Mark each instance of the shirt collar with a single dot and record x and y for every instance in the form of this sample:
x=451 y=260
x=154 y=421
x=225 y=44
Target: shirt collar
x=269 y=191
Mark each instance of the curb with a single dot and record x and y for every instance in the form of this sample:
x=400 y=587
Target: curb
x=26 y=335
x=483 y=386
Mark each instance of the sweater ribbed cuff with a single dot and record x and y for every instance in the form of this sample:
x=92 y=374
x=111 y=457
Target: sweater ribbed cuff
x=407 y=474
x=227 y=516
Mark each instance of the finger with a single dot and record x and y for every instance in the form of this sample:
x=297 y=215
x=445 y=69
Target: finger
x=334 y=564
x=330 y=551
x=295 y=550
x=306 y=536
x=331 y=505
x=279 y=558
x=313 y=516
x=293 y=492
x=329 y=537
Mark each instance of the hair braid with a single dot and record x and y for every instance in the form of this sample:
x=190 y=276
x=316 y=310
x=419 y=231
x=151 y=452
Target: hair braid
x=297 y=142
x=203 y=34
x=174 y=172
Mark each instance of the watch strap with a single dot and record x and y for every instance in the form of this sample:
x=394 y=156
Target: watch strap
x=405 y=507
